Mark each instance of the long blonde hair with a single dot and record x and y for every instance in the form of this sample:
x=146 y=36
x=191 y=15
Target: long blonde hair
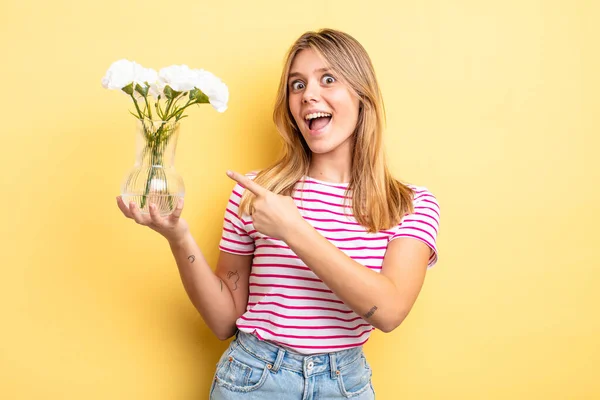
x=378 y=200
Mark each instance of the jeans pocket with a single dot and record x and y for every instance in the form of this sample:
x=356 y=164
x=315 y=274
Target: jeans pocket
x=241 y=372
x=355 y=378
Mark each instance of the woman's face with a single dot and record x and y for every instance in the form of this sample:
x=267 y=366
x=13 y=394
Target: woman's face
x=324 y=108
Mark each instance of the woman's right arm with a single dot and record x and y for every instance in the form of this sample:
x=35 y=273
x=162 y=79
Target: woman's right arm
x=221 y=296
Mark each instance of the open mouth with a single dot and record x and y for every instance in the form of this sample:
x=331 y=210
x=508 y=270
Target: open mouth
x=318 y=122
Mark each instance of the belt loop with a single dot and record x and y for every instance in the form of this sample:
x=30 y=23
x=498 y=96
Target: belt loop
x=278 y=360
x=333 y=365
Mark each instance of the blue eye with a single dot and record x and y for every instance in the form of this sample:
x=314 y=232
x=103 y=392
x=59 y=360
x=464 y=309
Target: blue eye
x=328 y=79
x=296 y=85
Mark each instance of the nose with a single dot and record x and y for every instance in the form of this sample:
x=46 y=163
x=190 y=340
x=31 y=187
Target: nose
x=311 y=92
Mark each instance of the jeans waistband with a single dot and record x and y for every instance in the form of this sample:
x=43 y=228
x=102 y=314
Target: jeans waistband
x=309 y=364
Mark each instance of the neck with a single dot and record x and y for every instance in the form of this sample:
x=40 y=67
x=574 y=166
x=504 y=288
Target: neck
x=334 y=167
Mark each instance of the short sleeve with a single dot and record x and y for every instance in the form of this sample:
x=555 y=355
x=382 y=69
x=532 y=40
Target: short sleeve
x=235 y=238
x=423 y=223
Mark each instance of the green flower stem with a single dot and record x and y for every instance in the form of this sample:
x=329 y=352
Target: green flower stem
x=158 y=109
x=157 y=141
x=157 y=144
x=172 y=102
x=169 y=103
x=189 y=103
x=148 y=106
x=154 y=157
x=137 y=107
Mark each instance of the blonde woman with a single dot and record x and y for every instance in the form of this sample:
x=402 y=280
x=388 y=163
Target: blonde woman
x=317 y=250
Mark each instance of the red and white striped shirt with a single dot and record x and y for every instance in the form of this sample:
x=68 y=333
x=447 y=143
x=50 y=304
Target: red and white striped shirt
x=288 y=304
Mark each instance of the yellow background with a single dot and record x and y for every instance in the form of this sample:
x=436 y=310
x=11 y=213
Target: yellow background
x=491 y=105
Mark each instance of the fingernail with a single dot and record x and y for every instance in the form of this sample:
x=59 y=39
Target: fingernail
x=229 y=173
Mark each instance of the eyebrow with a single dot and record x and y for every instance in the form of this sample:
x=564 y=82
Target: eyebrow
x=295 y=74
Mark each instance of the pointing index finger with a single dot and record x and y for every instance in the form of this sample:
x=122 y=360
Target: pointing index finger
x=247 y=183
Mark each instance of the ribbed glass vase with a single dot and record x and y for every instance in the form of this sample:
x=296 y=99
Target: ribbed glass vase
x=153 y=179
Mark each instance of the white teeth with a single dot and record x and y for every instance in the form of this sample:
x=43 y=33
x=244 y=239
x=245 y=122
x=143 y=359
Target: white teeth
x=316 y=115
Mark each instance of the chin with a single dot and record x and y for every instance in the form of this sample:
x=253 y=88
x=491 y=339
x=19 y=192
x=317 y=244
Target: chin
x=318 y=151
x=324 y=146
x=320 y=148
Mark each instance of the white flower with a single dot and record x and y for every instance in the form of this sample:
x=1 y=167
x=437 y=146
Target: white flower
x=123 y=72
x=125 y=75
x=214 y=88
x=180 y=78
x=157 y=89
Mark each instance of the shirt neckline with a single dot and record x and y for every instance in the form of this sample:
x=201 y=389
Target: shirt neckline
x=310 y=178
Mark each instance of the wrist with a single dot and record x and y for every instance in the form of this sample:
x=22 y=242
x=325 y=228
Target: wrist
x=180 y=240
x=297 y=232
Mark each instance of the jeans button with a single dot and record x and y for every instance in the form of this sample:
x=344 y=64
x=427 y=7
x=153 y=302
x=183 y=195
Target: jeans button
x=310 y=365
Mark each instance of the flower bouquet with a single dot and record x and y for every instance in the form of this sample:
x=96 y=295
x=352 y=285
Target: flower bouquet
x=160 y=100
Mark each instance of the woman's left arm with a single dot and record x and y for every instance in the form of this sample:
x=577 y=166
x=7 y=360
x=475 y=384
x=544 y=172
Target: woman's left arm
x=383 y=299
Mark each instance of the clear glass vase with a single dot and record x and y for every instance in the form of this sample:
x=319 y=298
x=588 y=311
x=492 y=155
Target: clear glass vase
x=153 y=179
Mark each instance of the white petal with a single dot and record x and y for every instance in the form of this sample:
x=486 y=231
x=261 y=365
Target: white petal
x=156 y=89
x=119 y=74
x=179 y=77
x=217 y=91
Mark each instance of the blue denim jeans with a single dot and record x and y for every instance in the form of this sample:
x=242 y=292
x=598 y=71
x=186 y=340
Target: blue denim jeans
x=255 y=369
